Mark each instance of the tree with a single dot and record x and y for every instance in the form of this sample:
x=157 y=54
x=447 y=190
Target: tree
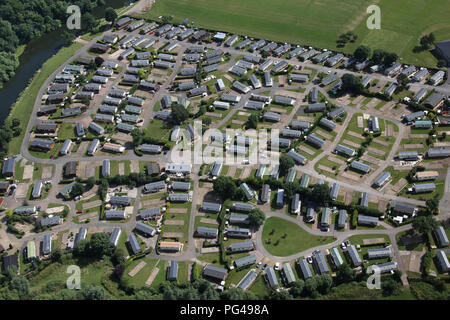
x=56 y=255
x=88 y=21
x=138 y=136
x=389 y=59
x=285 y=164
x=252 y=122
x=257 y=217
x=179 y=113
x=320 y=193
x=225 y=187
x=345 y=274
x=21 y=285
x=68 y=37
x=93 y=293
x=362 y=53
x=378 y=55
x=427 y=41
x=351 y=83
x=98 y=61
x=433 y=204
x=390 y=287
x=290 y=189
x=118 y=255
x=77 y=190
x=403 y=80
x=280 y=295
x=297 y=288
x=311 y=287
x=119 y=270
x=324 y=283
x=99 y=245
x=424 y=224
x=441 y=63
x=110 y=15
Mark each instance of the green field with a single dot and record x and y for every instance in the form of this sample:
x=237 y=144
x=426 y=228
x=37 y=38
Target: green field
x=290 y=237
x=319 y=23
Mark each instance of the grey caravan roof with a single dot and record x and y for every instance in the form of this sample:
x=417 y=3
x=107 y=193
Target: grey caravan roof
x=320 y=263
x=342 y=218
x=211 y=206
x=134 y=244
x=334 y=191
x=304 y=267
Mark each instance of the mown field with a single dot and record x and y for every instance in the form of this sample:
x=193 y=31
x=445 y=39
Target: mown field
x=319 y=23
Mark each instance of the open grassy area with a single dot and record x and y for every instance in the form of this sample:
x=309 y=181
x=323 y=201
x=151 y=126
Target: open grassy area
x=302 y=21
x=24 y=105
x=286 y=238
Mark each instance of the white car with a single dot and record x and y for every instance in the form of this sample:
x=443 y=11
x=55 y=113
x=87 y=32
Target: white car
x=343 y=246
x=277 y=266
x=309 y=259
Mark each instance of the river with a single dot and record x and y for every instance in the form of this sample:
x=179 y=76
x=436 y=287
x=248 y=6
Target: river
x=36 y=53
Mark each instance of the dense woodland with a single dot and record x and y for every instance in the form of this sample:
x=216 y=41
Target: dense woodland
x=22 y=21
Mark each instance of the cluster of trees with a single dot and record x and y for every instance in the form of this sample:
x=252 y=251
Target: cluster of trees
x=97 y=247
x=11 y=128
x=379 y=56
x=346 y=37
x=427 y=41
x=13 y=286
x=179 y=114
x=21 y=21
x=79 y=188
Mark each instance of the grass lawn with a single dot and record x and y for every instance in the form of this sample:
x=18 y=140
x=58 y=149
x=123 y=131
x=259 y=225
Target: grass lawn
x=296 y=239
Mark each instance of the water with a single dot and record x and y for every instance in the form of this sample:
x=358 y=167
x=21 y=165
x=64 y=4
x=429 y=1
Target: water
x=36 y=53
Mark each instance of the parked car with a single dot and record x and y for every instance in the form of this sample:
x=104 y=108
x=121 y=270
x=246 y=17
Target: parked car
x=309 y=259
x=277 y=266
x=258 y=264
x=343 y=246
x=264 y=267
x=79 y=211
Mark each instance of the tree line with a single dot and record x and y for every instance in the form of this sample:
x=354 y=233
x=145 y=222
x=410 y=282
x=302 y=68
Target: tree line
x=22 y=21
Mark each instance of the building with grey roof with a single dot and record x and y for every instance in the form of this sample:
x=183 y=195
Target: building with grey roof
x=145 y=229
x=134 y=244
x=303 y=265
x=271 y=278
x=382 y=179
x=37 y=190
x=115 y=214
x=297 y=157
x=443 y=261
x=51 y=221
x=367 y=220
x=314 y=140
x=353 y=255
x=115 y=236
x=342 y=218
x=364 y=200
x=150 y=214
x=441 y=236
x=345 y=151
x=316 y=107
x=214 y=272
x=379 y=253
x=9 y=166
x=319 y=263
x=438 y=152
x=245 y=262
x=206 y=232
x=243 y=207
x=360 y=166
x=93 y=147
x=241 y=246
x=211 y=207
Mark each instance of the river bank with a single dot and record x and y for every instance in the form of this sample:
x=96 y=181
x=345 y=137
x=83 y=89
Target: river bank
x=23 y=101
